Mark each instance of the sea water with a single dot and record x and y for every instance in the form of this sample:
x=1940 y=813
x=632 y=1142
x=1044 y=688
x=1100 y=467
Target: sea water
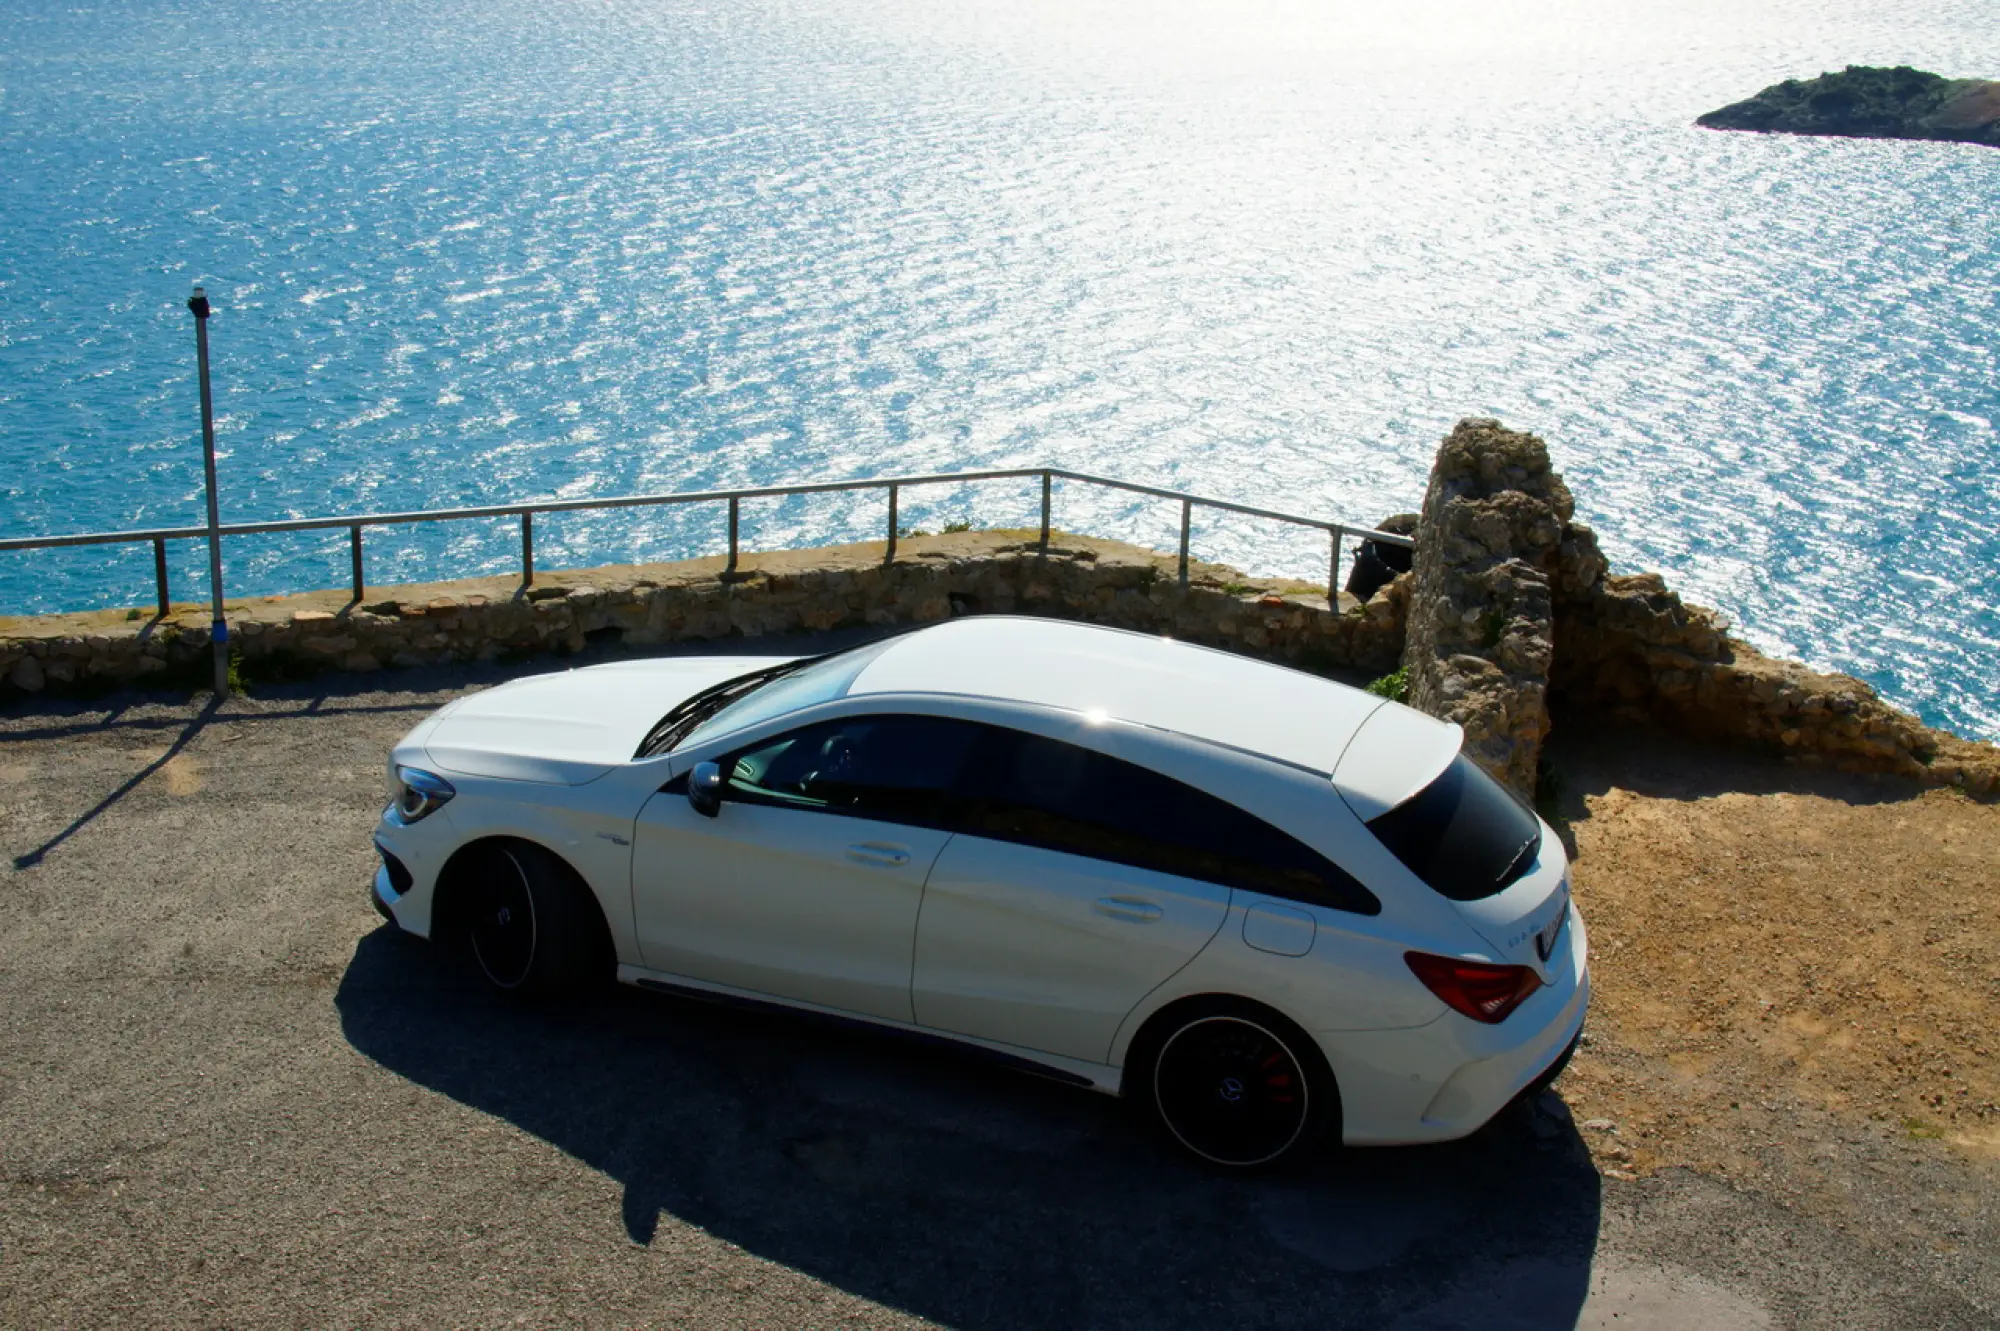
x=465 y=253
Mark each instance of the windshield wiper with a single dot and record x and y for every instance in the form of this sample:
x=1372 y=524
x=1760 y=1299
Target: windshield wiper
x=1522 y=859
x=678 y=724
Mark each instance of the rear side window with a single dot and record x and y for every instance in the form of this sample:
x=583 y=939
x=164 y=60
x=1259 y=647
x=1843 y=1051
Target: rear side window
x=1044 y=792
x=1464 y=834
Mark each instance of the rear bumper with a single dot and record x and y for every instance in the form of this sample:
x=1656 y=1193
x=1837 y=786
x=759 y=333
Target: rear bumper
x=1547 y=1076
x=1481 y=1089
x=1446 y=1080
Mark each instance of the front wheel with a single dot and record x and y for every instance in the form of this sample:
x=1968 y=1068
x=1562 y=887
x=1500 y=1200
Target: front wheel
x=1236 y=1085
x=527 y=923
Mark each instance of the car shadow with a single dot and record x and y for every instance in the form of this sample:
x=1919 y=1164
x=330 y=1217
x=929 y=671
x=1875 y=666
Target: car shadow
x=975 y=1197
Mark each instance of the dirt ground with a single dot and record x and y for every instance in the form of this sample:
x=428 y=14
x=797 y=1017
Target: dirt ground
x=1769 y=939
x=231 y=1096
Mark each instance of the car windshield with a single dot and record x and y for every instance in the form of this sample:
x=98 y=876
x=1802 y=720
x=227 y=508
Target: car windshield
x=1464 y=834
x=758 y=696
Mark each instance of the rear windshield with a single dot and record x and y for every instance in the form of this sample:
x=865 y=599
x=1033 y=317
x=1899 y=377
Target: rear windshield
x=1464 y=834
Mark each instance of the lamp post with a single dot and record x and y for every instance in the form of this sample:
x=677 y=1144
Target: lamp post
x=219 y=629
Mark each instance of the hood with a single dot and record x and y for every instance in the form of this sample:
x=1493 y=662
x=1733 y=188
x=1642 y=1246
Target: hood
x=575 y=726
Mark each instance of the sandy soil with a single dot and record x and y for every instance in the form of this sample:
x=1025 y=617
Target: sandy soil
x=1771 y=940
x=232 y=1097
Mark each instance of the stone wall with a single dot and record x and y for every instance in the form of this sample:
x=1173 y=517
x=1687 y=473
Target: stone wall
x=1630 y=646
x=931 y=578
x=1515 y=610
x=1510 y=610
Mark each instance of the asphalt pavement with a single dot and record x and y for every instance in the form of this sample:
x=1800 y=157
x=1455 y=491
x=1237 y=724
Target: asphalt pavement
x=229 y=1095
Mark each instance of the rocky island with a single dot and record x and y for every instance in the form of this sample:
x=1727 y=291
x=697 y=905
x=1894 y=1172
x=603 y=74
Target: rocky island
x=1868 y=102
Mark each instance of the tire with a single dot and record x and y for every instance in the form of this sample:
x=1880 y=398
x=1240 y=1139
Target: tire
x=529 y=924
x=1234 y=1084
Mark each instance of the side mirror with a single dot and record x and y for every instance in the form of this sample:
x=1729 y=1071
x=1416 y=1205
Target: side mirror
x=705 y=789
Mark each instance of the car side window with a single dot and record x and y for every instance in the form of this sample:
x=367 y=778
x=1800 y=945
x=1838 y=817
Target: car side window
x=1043 y=792
x=893 y=768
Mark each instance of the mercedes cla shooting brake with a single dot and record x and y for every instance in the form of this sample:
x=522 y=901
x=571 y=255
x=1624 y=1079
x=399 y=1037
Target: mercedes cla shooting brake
x=1265 y=907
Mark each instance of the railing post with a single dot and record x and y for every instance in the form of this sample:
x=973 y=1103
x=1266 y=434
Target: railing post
x=1187 y=520
x=527 y=547
x=160 y=572
x=1333 y=573
x=354 y=555
x=735 y=515
x=1045 y=513
x=218 y=632
x=890 y=558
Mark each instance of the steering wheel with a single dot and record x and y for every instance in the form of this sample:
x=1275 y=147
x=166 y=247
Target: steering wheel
x=836 y=764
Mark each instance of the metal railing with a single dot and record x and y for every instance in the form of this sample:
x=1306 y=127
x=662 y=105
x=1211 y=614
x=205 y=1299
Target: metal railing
x=895 y=485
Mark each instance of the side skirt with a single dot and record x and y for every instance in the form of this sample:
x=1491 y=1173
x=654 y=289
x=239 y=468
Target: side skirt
x=1069 y=1071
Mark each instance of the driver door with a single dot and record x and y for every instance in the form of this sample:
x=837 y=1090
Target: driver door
x=806 y=884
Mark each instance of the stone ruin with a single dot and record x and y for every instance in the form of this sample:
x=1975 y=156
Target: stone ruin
x=1512 y=608
x=1479 y=644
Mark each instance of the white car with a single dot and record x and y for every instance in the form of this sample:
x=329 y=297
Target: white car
x=1265 y=906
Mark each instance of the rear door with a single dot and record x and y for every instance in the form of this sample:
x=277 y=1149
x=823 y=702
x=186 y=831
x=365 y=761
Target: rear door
x=807 y=883
x=1055 y=909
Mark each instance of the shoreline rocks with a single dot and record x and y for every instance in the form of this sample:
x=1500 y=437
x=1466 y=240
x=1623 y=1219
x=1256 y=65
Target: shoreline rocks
x=1870 y=102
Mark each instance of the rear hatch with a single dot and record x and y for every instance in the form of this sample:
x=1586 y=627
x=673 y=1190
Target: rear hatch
x=1526 y=921
x=1462 y=833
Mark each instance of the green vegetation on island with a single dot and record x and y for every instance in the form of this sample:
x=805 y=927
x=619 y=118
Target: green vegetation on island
x=1867 y=102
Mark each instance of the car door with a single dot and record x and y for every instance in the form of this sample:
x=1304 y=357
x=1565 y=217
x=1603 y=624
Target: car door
x=1054 y=910
x=807 y=882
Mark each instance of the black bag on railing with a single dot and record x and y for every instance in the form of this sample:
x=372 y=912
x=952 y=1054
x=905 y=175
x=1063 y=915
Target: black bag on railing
x=1376 y=563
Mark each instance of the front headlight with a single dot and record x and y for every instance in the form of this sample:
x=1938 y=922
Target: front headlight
x=419 y=794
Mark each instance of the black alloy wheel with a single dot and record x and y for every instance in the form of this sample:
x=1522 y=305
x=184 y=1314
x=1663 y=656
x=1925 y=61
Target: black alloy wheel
x=1233 y=1089
x=502 y=928
x=532 y=924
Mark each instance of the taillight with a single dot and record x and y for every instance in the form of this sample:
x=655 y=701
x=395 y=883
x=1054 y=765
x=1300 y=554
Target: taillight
x=1479 y=989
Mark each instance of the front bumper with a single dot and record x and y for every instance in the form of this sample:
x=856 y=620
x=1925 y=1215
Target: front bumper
x=383 y=896
x=406 y=873
x=392 y=883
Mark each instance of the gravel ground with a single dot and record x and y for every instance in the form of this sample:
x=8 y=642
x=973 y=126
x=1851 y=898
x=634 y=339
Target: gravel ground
x=230 y=1096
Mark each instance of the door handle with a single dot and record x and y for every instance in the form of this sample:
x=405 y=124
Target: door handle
x=875 y=852
x=1127 y=908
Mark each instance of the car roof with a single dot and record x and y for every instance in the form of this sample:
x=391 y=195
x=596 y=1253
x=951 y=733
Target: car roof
x=1199 y=692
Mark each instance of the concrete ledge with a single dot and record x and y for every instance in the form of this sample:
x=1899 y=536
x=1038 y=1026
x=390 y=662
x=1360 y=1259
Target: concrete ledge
x=931 y=578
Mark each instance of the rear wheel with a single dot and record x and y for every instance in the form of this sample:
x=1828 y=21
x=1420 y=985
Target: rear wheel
x=1236 y=1085
x=528 y=922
